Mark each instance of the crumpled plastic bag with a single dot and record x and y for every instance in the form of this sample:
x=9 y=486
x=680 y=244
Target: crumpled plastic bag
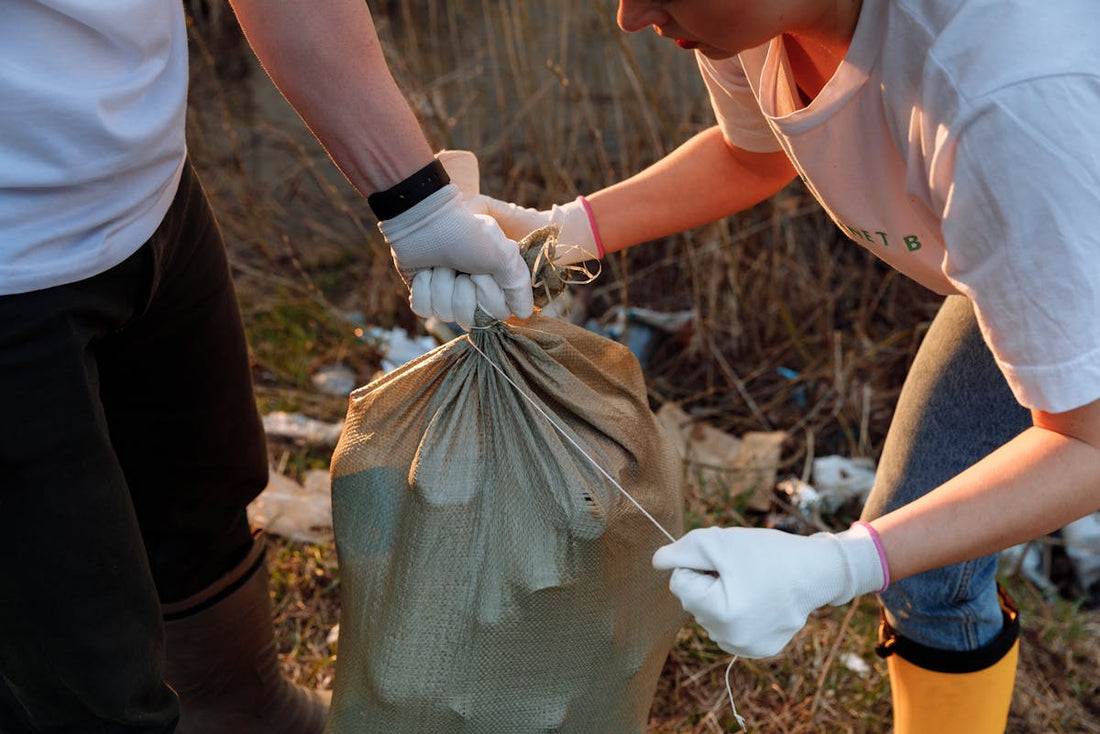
x=492 y=580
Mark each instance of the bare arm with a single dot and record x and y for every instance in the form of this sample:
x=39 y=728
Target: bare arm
x=326 y=60
x=703 y=180
x=1039 y=481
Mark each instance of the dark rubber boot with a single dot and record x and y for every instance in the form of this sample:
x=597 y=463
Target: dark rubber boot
x=222 y=662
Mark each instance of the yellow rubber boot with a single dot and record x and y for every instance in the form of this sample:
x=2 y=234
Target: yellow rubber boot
x=951 y=692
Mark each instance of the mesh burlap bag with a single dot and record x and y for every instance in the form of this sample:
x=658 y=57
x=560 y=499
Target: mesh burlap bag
x=492 y=580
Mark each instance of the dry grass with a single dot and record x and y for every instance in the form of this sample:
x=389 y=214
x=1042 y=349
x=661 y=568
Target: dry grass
x=810 y=688
x=556 y=101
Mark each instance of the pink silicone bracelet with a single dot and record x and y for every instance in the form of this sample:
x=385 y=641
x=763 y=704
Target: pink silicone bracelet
x=881 y=553
x=592 y=224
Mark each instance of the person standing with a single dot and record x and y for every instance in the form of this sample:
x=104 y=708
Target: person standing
x=135 y=596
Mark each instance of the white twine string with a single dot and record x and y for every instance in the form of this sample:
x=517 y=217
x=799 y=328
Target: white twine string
x=729 y=692
x=601 y=470
x=569 y=438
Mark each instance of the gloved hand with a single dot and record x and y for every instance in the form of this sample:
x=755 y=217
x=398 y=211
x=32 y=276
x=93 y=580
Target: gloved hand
x=451 y=296
x=768 y=581
x=454 y=296
x=443 y=232
x=578 y=239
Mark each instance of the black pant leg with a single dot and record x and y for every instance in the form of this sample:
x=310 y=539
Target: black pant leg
x=177 y=390
x=81 y=637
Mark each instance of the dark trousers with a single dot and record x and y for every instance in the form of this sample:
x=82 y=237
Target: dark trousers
x=130 y=445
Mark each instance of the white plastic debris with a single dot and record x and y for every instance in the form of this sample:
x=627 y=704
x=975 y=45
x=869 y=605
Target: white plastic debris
x=855 y=663
x=839 y=479
x=1028 y=560
x=398 y=347
x=302 y=428
x=335 y=379
x=1082 y=539
x=297 y=511
x=669 y=322
x=801 y=495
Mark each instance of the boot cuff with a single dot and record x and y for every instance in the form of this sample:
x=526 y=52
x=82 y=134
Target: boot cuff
x=953 y=661
x=233 y=580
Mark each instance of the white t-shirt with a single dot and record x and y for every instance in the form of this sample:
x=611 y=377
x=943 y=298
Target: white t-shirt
x=959 y=142
x=92 y=103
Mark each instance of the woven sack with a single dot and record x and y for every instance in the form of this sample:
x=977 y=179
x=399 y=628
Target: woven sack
x=492 y=580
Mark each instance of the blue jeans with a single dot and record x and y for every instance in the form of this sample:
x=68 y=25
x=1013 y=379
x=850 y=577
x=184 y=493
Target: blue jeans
x=954 y=409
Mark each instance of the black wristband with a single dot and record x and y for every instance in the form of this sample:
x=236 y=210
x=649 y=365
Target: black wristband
x=406 y=194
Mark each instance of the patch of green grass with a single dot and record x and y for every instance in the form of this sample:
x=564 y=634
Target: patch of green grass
x=288 y=338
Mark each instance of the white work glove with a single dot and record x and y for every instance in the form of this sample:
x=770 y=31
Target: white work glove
x=768 y=581
x=443 y=232
x=577 y=237
x=454 y=296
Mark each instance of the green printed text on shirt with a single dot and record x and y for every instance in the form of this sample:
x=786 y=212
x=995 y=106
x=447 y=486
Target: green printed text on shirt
x=883 y=239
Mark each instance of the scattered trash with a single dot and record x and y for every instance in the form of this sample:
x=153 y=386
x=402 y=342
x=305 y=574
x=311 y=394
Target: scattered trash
x=641 y=340
x=839 y=479
x=335 y=379
x=642 y=327
x=333 y=635
x=302 y=428
x=397 y=346
x=801 y=495
x=671 y=322
x=721 y=463
x=1082 y=539
x=855 y=663
x=1027 y=558
x=799 y=394
x=298 y=511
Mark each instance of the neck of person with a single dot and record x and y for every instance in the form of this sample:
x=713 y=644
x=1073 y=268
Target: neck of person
x=815 y=54
x=811 y=65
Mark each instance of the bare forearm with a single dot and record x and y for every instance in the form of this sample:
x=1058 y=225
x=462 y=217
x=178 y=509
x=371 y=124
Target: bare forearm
x=700 y=182
x=326 y=60
x=1034 y=484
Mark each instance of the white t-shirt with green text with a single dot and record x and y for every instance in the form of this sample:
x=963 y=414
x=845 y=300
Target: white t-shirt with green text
x=959 y=141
